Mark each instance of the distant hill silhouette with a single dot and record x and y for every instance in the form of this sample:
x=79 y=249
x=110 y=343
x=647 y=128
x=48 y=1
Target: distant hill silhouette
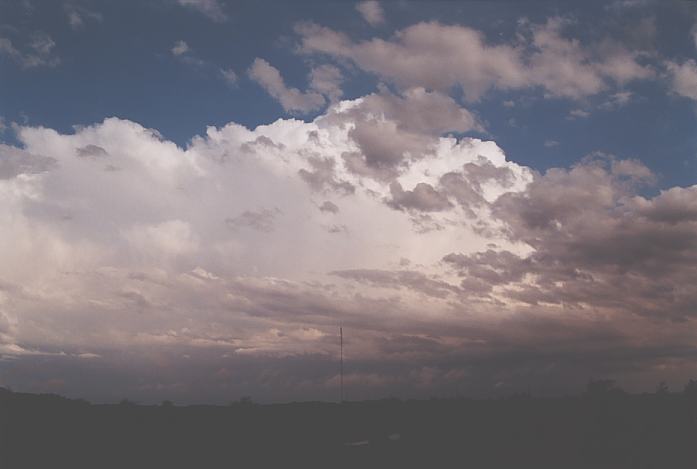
x=605 y=428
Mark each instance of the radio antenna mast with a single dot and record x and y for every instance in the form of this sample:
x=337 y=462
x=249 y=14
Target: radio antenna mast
x=341 y=360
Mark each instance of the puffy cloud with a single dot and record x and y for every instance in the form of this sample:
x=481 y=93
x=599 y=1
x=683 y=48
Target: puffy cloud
x=418 y=110
x=684 y=78
x=229 y=75
x=371 y=11
x=228 y=261
x=422 y=198
x=616 y=100
x=578 y=114
x=390 y=131
x=416 y=57
x=180 y=47
x=326 y=79
x=383 y=148
x=78 y=15
x=566 y=68
x=291 y=99
x=322 y=176
x=14 y=162
x=204 y=206
x=675 y=205
x=596 y=246
x=182 y=52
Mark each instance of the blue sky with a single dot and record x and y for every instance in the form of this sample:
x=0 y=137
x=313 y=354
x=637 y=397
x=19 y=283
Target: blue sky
x=120 y=64
x=489 y=196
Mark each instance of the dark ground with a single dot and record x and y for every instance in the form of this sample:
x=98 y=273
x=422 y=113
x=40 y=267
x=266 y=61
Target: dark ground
x=613 y=430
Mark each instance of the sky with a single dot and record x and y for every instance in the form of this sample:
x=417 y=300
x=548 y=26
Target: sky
x=489 y=197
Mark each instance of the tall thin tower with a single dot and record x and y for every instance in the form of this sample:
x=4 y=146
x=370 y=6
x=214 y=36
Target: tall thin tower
x=341 y=362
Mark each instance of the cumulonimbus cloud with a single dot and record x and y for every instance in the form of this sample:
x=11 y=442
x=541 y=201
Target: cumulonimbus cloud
x=446 y=261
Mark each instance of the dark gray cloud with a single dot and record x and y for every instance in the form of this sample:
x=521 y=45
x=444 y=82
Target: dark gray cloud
x=408 y=279
x=675 y=205
x=329 y=207
x=91 y=151
x=418 y=365
x=259 y=143
x=291 y=99
x=438 y=56
x=596 y=244
x=259 y=220
x=338 y=229
x=383 y=148
x=322 y=176
x=457 y=186
x=391 y=130
x=423 y=198
x=484 y=171
x=420 y=111
x=466 y=187
x=488 y=268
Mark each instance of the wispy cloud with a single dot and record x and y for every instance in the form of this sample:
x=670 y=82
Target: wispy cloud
x=371 y=11
x=291 y=99
x=37 y=52
x=213 y=9
x=79 y=15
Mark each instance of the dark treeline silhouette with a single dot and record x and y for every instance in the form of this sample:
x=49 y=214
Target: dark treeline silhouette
x=604 y=428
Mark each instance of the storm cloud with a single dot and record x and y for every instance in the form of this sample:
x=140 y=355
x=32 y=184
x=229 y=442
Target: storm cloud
x=135 y=263
x=527 y=268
